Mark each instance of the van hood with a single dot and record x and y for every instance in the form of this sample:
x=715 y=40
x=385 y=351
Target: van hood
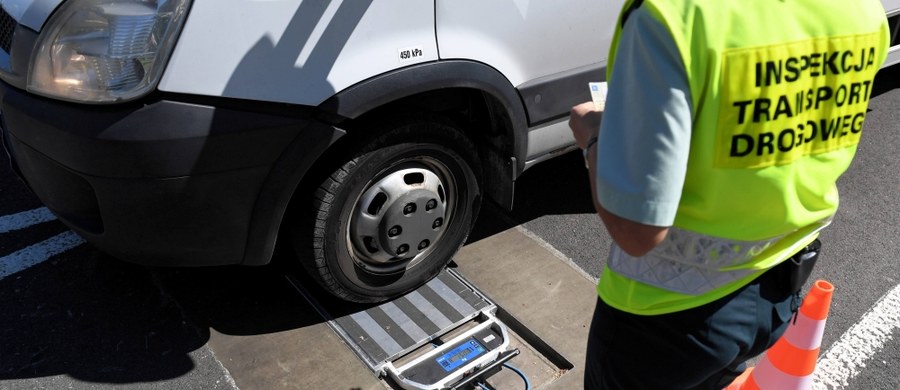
x=30 y=13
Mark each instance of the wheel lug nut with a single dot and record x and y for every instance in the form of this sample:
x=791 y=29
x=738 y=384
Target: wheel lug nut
x=430 y=205
x=424 y=244
x=402 y=249
x=395 y=231
x=437 y=223
x=409 y=208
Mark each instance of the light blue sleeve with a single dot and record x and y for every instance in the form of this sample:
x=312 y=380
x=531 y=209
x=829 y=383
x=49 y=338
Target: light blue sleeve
x=645 y=134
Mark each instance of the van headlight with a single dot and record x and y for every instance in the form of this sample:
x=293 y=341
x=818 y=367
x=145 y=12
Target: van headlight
x=102 y=51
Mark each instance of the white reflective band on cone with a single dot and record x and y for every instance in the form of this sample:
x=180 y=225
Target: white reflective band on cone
x=767 y=377
x=805 y=333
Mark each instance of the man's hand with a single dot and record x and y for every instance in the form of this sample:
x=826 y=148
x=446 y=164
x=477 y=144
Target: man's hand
x=584 y=120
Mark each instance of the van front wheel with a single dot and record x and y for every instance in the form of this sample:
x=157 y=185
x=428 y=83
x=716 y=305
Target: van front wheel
x=394 y=213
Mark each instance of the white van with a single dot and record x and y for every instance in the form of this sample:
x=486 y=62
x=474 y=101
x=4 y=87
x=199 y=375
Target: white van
x=365 y=133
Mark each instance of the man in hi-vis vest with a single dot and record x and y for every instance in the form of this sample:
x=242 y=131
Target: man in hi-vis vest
x=726 y=125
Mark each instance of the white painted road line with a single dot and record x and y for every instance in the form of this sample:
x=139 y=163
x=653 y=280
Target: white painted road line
x=38 y=253
x=25 y=219
x=555 y=252
x=847 y=357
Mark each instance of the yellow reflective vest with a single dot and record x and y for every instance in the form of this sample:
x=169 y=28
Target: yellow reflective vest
x=779 y=91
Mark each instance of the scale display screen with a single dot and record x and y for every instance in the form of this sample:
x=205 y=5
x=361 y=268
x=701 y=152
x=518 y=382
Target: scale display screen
x=460 y=355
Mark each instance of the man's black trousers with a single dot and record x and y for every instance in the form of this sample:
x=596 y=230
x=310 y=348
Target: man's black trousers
x=699 y=348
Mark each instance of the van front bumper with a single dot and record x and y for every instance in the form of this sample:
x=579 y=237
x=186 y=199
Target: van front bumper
x=163 y=182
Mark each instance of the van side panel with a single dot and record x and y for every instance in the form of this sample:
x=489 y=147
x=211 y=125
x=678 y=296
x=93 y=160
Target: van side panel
x=527 y=39
x=531 y=43
x=892 y=7
x=296 y=51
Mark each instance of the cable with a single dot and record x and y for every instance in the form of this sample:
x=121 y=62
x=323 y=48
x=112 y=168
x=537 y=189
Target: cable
x=521 y=374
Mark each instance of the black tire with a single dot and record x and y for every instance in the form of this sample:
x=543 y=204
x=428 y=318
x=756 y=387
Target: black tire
x=393 y=214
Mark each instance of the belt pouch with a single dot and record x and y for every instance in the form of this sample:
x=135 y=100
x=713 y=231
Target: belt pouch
x=801 y=265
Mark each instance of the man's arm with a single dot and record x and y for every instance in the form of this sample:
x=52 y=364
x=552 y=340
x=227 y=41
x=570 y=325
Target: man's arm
x=635 y=238
x=638 y=167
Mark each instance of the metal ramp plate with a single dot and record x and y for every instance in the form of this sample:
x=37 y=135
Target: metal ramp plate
x=382 y=333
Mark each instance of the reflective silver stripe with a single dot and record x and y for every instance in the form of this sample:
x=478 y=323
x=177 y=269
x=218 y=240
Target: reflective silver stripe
x=377 y=333
x=690 y=263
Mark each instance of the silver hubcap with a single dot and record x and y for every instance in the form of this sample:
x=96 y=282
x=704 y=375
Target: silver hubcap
x=401 y=216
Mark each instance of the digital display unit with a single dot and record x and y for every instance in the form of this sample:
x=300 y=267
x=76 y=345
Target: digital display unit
x=460 y=355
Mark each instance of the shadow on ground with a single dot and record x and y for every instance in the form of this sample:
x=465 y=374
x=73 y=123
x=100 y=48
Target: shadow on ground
x=92 y=318
x=555 y=187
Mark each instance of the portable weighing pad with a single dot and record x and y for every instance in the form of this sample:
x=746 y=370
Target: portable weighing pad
x=442 y=335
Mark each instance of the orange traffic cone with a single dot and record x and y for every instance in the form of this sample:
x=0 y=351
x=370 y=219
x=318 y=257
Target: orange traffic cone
x=790 y=363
